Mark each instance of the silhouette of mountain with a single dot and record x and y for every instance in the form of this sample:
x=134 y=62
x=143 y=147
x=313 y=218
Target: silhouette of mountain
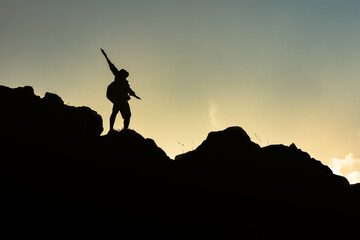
x=229 y=158
x=60 y=178
x=25 y=114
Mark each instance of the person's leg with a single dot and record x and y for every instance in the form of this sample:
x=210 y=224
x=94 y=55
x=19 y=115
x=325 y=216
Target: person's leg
x=126 y=114
x=115 y=110
x=126 y=123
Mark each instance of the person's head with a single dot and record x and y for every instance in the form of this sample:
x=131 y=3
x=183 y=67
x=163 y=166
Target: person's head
x=123 y=74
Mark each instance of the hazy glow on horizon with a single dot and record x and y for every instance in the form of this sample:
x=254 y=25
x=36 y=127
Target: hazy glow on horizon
x=346 y=167
x=285 y=71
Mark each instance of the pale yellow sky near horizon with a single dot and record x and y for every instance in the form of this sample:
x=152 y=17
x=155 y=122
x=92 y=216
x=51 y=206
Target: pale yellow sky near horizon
x=285 y=71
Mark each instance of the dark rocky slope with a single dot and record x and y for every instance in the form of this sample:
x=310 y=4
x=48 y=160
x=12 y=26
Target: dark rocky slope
x=59 y=177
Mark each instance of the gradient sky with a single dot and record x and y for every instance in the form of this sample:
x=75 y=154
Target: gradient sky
x=285 y=71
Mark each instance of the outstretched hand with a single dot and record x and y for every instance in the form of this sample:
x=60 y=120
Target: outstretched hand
x=136 y=96
x=102 y=50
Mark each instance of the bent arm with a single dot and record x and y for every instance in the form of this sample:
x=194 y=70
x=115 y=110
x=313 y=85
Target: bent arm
x=113 y=69
x=132 y=93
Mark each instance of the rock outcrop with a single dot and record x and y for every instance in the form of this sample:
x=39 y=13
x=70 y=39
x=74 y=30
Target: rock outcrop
x=230 y=159
x=26 y=114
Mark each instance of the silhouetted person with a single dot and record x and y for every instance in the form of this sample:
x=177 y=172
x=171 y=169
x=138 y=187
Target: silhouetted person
x=118 y=92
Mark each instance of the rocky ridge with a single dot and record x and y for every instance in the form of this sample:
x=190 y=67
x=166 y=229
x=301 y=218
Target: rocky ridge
x=70 y=180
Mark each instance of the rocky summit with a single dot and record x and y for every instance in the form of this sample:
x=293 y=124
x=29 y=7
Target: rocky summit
x=26 y=114
x=61 y=178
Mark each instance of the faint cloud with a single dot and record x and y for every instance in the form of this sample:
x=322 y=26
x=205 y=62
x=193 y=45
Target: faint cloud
x=347 y=167
x=215 y=123
x=354 y=177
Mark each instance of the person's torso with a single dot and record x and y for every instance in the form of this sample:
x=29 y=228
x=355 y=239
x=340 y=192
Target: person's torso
x=118 y=91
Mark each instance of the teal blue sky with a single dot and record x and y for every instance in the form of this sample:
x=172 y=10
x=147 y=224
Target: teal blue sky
x=285 y=71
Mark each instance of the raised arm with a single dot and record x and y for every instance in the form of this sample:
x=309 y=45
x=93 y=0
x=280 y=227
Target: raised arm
x=113 y=69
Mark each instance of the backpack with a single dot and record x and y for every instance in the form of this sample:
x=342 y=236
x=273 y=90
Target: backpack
x=117 y=92
x=111 y=92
